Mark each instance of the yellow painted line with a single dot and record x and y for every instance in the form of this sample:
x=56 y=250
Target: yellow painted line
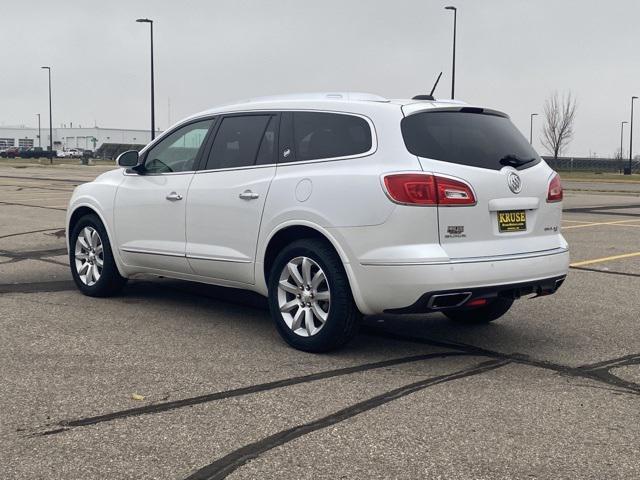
x=599 y=223
x=577 y=221
x=604 y=259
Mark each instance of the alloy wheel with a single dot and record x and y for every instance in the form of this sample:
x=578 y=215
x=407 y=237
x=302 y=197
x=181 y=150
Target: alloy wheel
x=89 y=256
x=304 y=296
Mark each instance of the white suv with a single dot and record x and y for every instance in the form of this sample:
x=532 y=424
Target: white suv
x=332 y=206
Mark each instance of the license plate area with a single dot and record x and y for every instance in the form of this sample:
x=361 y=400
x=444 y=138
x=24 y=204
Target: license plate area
x=512 y=221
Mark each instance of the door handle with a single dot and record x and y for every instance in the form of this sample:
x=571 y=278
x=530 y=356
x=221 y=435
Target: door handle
x=248 y=195
x=173 y=196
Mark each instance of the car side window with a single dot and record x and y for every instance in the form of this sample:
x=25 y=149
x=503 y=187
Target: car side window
x=178 y=151
x=318 y=135
x=242 y=141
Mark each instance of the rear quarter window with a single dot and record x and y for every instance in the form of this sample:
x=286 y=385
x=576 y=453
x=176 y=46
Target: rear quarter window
x=476 y=139
x=318 y=135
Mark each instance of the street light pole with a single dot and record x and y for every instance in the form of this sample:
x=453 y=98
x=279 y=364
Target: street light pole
x=48 y=69
x=631 y=135
x=621 y=138
x=531 y=128
x=153 y=112
x=39 y=132
x=453 y=68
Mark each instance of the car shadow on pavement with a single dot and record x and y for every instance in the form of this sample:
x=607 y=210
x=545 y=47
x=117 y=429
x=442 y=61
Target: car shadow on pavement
x=376 y=332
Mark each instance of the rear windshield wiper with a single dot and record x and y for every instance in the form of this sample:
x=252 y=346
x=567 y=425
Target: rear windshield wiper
x=515 y=161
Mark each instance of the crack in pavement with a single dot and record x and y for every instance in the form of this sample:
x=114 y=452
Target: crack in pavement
x=58 y=229
x=20 y=187
x=599 y=372
x=38 y=287
x=238 y=392
x=610 y=272
x=604 y=210
x=226 y=465
x=33 y=206
x=601 y=207
x=37 y=179
x=34 y=255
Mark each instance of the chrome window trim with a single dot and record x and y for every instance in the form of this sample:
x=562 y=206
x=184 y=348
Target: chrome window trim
x=371 y=151
x=178 y=255
x=217 y=259
x=231 y=169
x=164 y=134
x=151 y=252
x=186 y=172
x=372 y=128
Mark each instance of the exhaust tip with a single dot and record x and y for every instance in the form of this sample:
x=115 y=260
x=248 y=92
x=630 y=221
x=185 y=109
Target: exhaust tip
x=448 y=300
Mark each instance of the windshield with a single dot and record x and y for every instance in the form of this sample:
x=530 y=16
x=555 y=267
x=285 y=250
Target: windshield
x=468 y=138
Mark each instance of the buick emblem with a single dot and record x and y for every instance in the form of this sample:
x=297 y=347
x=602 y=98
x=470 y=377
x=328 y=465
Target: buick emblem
x=514 y=182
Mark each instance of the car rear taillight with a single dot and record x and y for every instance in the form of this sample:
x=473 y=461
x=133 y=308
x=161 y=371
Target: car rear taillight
x=412 y=188
x=427 y=189
x=554 y=193
x=454 y=192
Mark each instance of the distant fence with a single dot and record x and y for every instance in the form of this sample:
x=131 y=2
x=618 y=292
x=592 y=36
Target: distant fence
x=592 y=164
x=112 y=150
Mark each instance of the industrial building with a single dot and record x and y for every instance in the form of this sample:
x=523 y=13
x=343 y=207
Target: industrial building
x=64 y=138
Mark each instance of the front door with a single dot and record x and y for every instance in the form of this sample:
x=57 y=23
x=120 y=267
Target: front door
x=227 y=197
x=149 y=212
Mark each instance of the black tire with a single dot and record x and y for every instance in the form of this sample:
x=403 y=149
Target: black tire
x=110 y=282
x=343 y=316
x=496 y=308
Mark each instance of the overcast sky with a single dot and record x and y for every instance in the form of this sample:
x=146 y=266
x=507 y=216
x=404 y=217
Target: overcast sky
x=511 y=55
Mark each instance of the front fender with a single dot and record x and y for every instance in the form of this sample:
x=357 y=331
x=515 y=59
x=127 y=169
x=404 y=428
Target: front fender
x=100 y=198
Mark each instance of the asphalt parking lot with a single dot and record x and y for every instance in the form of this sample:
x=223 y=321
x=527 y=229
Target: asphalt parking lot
x=174 y=381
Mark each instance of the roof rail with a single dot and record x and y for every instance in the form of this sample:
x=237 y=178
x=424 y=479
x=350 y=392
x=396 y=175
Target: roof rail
x=346 y=96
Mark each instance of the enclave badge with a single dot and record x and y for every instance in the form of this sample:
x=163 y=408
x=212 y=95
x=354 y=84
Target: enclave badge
x=455 y=231
x=514 y=182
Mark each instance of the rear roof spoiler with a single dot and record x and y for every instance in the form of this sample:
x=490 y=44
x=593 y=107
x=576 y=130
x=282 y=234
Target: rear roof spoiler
x=420 y=107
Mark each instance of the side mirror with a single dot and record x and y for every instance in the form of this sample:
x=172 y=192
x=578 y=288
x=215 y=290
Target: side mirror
x=128 y=159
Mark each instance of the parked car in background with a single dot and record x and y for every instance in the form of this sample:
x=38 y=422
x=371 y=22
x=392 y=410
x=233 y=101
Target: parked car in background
x=74 y=153
x=11 y=152
x=331 y=206
x=33 y=152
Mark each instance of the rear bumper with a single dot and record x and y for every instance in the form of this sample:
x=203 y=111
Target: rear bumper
x=410 y=288
x=447 y=299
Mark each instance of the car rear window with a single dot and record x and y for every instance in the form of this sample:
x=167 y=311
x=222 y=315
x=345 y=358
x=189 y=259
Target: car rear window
x=320 y=135
x=473 y=138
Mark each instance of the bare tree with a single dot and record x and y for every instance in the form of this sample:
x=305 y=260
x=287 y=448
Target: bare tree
x=559 y=113
x=618 y=154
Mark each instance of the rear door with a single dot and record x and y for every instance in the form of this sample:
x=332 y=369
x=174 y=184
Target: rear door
x=227 y=197
x=509 y=181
